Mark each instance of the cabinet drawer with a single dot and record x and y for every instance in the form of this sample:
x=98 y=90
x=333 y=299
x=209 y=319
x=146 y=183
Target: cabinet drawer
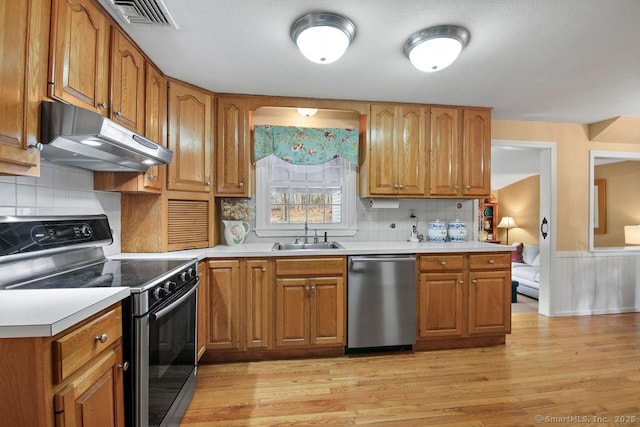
x=445 y=262
x=489 y=261
x=76 y=348
x=310 y=266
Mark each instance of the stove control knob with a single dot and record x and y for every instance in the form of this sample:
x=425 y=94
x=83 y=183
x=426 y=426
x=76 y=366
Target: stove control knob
x=86 y=231
x=159 y=293
x=183 y=276
x=191 y=272
x=169 y=286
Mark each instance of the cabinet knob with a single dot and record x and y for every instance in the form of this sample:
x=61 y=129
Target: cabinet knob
x=118 y=114
x=241 y=185
x=151 y=176
x=102 y=105
x=474 y=281
x=124 y=366
x=467 y=187
x=491 y=261
x=400 y=186
x=37 y=146
x=460 y=282
x=208 y=183
x=455 y=187
x=443 y=262
x=264 y=270
x=102 y=338
x=308 y=289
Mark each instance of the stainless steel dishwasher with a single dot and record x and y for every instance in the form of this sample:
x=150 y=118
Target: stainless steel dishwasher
x=381 y=301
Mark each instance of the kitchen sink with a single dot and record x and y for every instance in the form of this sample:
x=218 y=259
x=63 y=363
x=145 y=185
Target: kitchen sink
x=308 y=246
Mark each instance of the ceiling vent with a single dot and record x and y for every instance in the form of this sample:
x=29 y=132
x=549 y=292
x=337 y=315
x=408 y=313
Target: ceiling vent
x=147 y=12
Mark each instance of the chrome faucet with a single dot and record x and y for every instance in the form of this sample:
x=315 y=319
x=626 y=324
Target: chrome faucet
x=306 y=231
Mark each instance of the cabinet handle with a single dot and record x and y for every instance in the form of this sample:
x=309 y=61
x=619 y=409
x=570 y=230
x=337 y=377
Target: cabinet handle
x=241 y=185
x=102 y=338
x=151 y=176
x=443 y=262
x=491 y=261
x=37 y=146
x=102 y=105
x=124 y=366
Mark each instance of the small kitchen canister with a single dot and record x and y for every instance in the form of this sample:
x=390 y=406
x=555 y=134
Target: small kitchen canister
x=436 y=232
x=457 y=231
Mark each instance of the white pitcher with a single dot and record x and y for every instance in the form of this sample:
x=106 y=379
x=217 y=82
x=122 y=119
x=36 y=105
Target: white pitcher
x=234 y=231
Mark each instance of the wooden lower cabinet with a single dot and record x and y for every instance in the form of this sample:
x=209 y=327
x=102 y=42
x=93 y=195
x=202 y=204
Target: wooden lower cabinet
x=463 y=299
x=310 y=302
x=70 y=379
x=223 y=298
x=257 y=287
x=203 y=296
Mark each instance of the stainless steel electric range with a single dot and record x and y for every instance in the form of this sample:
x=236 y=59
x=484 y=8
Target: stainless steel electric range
x=159 y=326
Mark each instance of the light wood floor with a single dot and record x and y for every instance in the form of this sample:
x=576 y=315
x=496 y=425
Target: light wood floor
x=553 y=368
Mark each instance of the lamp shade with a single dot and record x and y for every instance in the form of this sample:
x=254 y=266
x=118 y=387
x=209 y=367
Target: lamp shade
x=435 y=48
x=507 y=222
x=632 y=234
x=323 y=37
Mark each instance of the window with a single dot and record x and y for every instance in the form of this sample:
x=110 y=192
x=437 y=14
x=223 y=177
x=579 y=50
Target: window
x=289 y=195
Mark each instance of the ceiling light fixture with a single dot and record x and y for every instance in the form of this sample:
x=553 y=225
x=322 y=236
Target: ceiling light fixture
x=436 y=48
x=323 y=37
x=307 y=112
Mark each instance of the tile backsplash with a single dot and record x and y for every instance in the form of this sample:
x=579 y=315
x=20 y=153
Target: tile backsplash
x=394 y=224
x=65 y=190
x=60 y=190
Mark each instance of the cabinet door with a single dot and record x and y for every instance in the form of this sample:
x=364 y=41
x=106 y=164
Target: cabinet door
x=476 y=152
x=292 y=312
x=489 y=302
x=383 y=174
x=155 y=124
x=96 y=397
x=22 y=54
x=440 y=305
x=445 y=152
x=327 y=311
x=203 y=298
x=232 y=148
x=127 y=83
x=223 y=310
x=190 y=138
x=79 y=65
x=258 y=302
x=412 y=152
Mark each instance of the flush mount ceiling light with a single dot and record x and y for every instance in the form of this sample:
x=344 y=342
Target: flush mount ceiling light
x=323 y=37
x=307 y=112
x=435 y=48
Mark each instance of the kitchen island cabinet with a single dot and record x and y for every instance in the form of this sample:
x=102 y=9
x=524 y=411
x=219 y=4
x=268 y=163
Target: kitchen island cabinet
x=70 y=379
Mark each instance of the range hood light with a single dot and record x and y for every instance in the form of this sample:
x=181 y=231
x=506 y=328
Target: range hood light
x=149 y=162
x=91 y=142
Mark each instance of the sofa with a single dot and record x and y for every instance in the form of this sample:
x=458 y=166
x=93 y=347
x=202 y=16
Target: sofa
x=525 y=269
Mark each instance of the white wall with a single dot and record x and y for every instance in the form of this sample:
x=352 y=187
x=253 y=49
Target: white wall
x=60 y=190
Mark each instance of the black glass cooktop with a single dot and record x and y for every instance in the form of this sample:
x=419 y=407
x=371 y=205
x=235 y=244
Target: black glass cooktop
x=131 y=273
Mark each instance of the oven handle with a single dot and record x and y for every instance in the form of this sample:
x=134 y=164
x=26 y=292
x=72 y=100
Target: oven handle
x=164 y=311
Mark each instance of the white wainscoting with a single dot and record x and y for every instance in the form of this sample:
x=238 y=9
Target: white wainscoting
x=587 y=283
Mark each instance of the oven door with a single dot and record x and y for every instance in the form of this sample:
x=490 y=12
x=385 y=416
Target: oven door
x=165 y=360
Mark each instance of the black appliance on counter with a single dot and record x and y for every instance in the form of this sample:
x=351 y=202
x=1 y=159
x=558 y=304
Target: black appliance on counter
x=159 y=318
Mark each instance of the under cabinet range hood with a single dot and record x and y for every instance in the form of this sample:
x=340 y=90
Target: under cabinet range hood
x=77 y=137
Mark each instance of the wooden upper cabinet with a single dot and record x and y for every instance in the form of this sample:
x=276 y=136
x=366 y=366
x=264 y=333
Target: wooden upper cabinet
x=156 y=123
x=397 y=150
x=476 y=151
x=23 y=66
x=232 y=147
x=79 y=55
x=190 y=138
x=127 y=83
x=460 y=152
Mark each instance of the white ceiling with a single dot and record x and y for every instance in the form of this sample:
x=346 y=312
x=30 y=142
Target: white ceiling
x=546 y=60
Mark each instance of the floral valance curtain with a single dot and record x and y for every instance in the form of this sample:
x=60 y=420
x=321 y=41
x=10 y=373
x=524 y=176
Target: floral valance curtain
x=305 y=146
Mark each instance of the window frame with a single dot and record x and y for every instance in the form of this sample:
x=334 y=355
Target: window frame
x=264 y=228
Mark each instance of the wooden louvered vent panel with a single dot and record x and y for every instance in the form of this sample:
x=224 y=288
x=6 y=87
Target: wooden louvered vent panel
x=188 y=224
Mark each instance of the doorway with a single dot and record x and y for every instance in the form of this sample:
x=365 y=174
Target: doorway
x=514 y=161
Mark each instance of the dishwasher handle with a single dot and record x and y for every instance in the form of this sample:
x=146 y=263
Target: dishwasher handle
x=353 y=260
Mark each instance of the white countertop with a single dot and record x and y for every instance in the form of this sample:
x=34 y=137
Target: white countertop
x=246 y=250
x=47 y=312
